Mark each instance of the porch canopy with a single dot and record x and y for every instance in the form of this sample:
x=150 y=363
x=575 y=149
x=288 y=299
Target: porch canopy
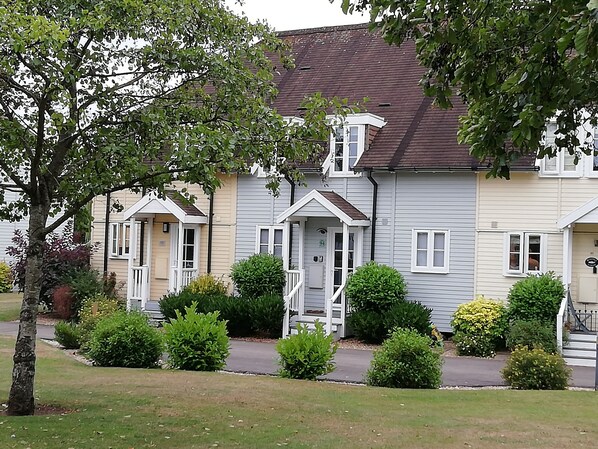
x=587 y=213
x=172 y=203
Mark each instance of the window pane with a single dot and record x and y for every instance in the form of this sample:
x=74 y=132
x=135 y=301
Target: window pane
x=422 y=240
x=515 y=252
x=439 y=240
x=353 y=149
x=338 y=149
x=338 y=241
x=189 y=236
x=338 y=165
x=422 y=258
x=353 y=132
x=595 y=154
x=339 y=134
x=114 y=238
x=278 y=236
x=278 y=250
x=264 y=234
x=439 y=258
x=550 y=163
x=126 y=238
x=568 y=161
x=263 y=249
x=534 y=246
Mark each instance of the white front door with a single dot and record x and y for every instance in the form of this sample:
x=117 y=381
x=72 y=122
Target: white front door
x=334 y=260
x=190 y=256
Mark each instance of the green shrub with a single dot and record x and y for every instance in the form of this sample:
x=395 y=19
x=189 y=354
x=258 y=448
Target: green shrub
x=306 y=354
x=266 y=314
x=84 y=283
x=479 y=326
x=6 y=279
x=260 y=274
x=532 y=335
x=196 y=342
x=207 y=284
x=368 y=326
x=125 y=339
x=234 y=310
x=62 y=302
x=536 y=370
x=92 y=311
x=375 y=287
x=406 y=360
x=409 y=315
x=170 y=303
x=536 y=298
x=67 y=334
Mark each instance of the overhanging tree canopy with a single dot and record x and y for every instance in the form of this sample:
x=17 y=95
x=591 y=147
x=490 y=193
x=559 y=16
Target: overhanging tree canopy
x=99 y=96
x=515 y=63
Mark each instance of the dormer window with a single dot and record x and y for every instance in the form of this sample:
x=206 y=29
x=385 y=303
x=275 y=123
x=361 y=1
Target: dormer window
x=347 y=146
x=563 y=163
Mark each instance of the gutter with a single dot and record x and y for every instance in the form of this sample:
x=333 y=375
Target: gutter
x=210 y=232
x=374 y=213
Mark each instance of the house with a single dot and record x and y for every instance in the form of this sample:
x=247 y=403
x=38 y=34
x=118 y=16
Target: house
x=158 y=245
x=393 y=186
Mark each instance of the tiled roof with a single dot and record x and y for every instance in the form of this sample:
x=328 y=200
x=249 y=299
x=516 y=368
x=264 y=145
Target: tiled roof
x=185 y=206
x=352 y=62
x=343 y=205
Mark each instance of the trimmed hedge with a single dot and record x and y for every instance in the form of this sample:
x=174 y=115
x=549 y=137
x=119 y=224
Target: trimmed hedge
x=375 y=287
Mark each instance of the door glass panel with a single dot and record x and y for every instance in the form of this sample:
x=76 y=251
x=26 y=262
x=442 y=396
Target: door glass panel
x=338 y=258
x=189 y=248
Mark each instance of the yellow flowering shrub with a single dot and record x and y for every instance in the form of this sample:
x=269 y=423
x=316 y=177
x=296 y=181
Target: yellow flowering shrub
x=206 y=284
x=479 y=326
x=6 y=279
x=535 y=369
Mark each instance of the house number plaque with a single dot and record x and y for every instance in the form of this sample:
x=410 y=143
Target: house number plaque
x=592 y=262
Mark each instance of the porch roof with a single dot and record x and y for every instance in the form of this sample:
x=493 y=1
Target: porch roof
x=588 y=213
x=172 y=204
x=321 y=203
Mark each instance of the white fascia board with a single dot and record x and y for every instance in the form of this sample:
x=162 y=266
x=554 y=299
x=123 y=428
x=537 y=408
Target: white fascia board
x=576 y=214
x=363 y=118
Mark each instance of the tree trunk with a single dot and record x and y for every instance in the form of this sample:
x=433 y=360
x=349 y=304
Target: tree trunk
x=20 y=400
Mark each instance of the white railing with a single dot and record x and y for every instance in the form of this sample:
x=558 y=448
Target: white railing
x=293 y=297
x=340 y=293
x=188 y=275
x=139 y=290
x=561 y=318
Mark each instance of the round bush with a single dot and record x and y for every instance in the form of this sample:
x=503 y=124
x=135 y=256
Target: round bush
x=260 y=274
x=266 y=314
x=406 y=360
x=125 y=339
x=6 y=280
x=536 y=298
x=536 y=370
x=196 y=342
x=207 y=284
x=375 y=287
x=92 y=311
x=480 y=326
x=368 y=326
x=532 y=335
x=306 y=354
x=409 y=315
x=68 y=335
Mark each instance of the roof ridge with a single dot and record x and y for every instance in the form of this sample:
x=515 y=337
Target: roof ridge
x=326 y=29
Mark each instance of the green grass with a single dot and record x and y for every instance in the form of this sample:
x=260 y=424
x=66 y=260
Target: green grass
x=126 y=408
x=10 y=306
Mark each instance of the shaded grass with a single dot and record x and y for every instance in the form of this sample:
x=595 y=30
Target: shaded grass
x=10 y=306
x=124 y=408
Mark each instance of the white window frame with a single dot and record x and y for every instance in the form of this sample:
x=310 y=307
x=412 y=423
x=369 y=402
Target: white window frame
x=523 y=269
x=346 y=171
x=271 y=232
x=429 y=267
x=560 y=159
x=118 y=237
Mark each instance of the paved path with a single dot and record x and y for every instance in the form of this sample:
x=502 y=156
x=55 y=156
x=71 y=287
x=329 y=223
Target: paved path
x=352 y=364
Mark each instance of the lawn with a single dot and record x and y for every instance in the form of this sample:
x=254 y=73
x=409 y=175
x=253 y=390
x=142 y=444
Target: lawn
x=125 y=408
x=10 y=306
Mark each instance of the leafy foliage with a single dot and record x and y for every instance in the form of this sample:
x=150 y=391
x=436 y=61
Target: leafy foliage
x=62 y=301
x=375 y=287
x=173 y=302
x=125 y=339
x=406 y=360
x=84 y=283
x=207 y=284
x=233 y=310
x=535 y=369
x=533 y=334
x=515 y=66
x=306 y=354
x=480 y=326
x=68 y=335
x=196 y=342
x=368 y=326
x=93 y=310
x=266 y=314
x=61 y=256
x=536 y=298
x=409 y=315
x=6 y=279
x=258 y=275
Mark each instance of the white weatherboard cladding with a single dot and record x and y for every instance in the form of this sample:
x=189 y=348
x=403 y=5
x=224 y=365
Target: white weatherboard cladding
x=437 y=201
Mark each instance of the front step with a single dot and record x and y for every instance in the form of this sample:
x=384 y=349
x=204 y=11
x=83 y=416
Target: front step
x=580 y=350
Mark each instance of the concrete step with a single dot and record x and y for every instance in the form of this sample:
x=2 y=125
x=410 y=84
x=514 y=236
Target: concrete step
x=579 y=353
x=574 y=336
x=580 y=362
x=583 y=345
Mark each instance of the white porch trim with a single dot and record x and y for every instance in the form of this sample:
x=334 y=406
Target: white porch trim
x=152 y=204
x=588 y=213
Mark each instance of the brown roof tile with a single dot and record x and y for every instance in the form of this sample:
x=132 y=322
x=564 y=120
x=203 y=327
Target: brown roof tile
x=188 y=208
x=343 y=205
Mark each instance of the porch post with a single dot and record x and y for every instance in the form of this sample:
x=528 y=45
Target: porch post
x=301 y=243
x=179 y=278
x=567 y=254
x=132 y=252
x=150 y=237
x=285 y=245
